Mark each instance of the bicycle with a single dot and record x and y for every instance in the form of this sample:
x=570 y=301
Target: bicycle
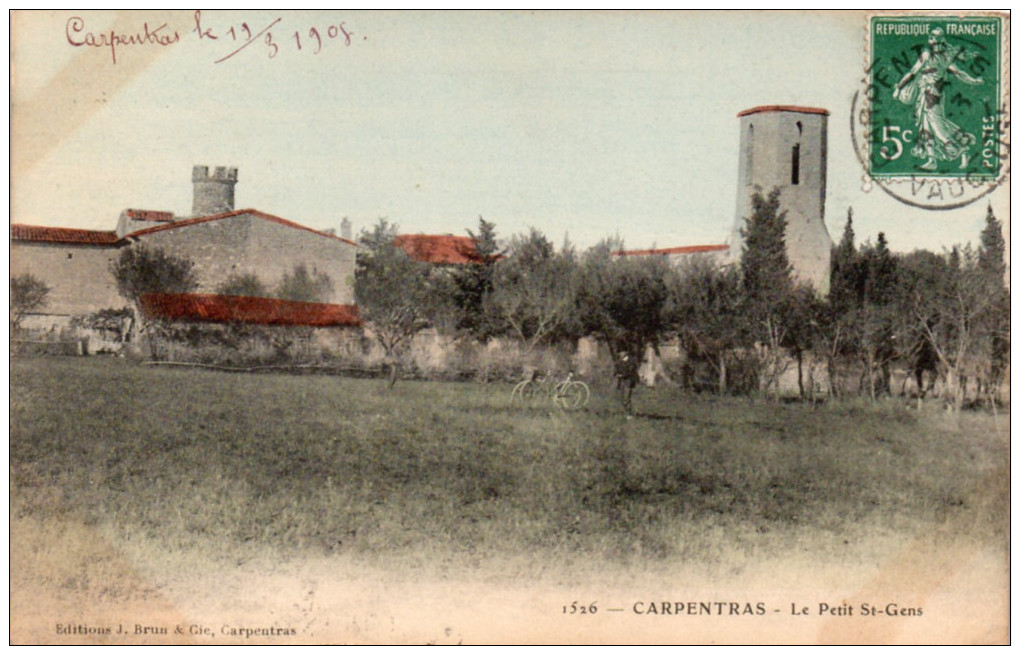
x=569 y=394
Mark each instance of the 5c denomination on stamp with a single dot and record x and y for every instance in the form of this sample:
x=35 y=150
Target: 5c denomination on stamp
x=932 y=124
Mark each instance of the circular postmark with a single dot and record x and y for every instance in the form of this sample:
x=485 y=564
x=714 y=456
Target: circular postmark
x=930 y=120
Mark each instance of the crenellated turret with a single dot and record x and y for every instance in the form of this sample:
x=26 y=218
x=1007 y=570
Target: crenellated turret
x=214 y=192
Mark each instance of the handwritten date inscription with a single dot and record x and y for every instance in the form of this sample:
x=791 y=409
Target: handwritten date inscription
x=271 y=38
x=244 y=34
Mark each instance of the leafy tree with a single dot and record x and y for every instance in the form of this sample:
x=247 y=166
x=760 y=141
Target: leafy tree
x=440 y=307
x=473 y=283
x=392 y=292
x=834 y=322
x=246 y=284
x=708 y=309
x=305 y=286
x=624 y=301
x=955 y=310
x=142 y=269
x=919 y=275
x=801 y=318
x=533 y=293
x=28 y=294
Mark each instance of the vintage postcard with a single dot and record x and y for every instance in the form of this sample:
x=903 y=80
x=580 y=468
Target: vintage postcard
x=480 y=327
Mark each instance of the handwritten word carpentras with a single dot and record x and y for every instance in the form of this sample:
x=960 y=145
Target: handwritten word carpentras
x=273 y=36
x=78 y=36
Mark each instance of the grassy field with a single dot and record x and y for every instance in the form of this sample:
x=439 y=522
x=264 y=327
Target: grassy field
x=237 y=465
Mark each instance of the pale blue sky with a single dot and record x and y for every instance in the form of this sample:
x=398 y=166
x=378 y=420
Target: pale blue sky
x=579 y=124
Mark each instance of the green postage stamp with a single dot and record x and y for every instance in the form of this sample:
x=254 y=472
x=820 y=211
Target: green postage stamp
x=936 y=101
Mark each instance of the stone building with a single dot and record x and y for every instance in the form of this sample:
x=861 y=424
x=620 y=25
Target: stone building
x=249 y=241
x=132 y=220
x=213 y=191
x=220 y=241
x=74 y=264
x=785 y=147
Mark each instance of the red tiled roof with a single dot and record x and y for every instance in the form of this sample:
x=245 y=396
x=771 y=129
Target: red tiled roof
x=217 y=308
x=670 y=251
x=32 y=233
x=783 y=108
x=149 y=216
x=187 y=222
x=439 y=249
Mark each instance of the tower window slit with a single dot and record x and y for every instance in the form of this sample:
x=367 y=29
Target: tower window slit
x=749 y=157
x=795 y=165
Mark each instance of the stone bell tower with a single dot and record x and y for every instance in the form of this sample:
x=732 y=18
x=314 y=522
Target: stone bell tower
x=214 y=191
x=784 y=147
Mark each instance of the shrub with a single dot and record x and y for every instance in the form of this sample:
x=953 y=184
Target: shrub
x=28 y=294
x=305 y=286
x=142 y=270
x=246 y=284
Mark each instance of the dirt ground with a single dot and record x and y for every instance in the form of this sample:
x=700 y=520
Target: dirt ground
x=69 y=583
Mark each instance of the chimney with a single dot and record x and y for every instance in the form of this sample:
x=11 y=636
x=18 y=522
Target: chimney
x=345 y=229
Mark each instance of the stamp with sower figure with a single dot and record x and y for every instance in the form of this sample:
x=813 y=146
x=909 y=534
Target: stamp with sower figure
x=932 y=124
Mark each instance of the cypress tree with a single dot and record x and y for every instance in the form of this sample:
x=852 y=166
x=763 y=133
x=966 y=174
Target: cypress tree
x=844 y=279
x=992 y=254
x=765 y=266
x=473 y=282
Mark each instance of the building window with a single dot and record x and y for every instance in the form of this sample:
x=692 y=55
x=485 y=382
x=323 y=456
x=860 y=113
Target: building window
x=749 y=157
x=795 y=165
x=70 y=255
